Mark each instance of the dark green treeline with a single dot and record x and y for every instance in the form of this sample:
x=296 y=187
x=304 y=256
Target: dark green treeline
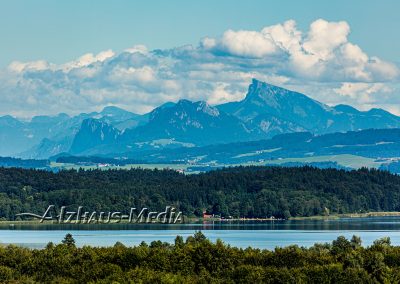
x=197 y=260
x=236 y=192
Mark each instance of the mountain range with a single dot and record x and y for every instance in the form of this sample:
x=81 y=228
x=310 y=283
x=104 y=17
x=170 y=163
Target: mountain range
x=266 y=111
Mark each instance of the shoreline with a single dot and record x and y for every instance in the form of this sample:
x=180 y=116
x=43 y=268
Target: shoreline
x=195 y=220
x=349 y=215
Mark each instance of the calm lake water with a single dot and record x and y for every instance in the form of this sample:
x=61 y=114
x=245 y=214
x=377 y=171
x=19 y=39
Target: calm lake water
x=266 y=234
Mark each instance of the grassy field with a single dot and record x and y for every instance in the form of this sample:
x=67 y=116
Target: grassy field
x=346 y=160
x=257 y=153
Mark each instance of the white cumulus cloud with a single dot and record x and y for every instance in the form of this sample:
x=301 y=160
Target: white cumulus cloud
x=246 y=44
x=320 y=61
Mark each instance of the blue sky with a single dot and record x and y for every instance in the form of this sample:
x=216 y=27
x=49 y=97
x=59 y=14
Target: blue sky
x=60 y=32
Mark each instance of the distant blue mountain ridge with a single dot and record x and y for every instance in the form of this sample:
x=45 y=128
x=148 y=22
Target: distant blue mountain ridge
x=265 y=112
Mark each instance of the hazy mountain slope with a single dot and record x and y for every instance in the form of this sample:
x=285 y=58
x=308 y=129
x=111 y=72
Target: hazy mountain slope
x=303 y=112
x=62 y=129
x=185 y=121
x=266 y=111
x=92 y=133
x=17 y=136
x=263 y=98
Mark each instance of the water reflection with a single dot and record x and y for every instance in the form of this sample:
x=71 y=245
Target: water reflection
x=368 y=223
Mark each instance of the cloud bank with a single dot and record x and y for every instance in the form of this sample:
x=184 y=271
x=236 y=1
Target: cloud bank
x=320 y=62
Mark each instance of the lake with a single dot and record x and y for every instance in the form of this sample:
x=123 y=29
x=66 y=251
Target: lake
x=259 y=234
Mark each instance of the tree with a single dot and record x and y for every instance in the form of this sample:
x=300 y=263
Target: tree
x=355 y=242
x=179 y=242
x=199 y=237
x=68 y=240
x=341 y=245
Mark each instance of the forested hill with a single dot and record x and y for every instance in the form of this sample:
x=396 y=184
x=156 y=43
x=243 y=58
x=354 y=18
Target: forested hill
x=242 y=191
